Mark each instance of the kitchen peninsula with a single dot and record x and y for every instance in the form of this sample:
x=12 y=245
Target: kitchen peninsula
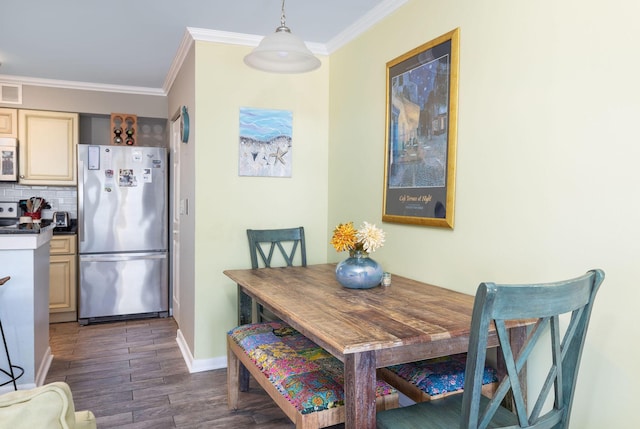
x=24 y=304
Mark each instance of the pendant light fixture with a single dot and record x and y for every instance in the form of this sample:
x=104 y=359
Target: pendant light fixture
x=282 y=52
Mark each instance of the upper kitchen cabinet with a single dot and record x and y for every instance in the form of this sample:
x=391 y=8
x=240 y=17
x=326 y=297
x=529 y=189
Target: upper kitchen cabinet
x=47 y=143
x=8 y=122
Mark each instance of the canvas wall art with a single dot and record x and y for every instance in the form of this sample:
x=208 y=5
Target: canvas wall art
x=265 y=142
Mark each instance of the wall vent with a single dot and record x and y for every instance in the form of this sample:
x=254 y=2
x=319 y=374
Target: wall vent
x=10 y=93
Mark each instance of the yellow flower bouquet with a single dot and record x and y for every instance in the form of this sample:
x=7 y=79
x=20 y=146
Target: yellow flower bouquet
x=358 y=271
x=368 y=238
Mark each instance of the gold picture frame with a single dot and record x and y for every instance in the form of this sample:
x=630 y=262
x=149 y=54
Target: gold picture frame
x=421 y=134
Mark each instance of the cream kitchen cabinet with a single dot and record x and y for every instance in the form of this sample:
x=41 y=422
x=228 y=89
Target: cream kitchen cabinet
x=63 y=279
x=8 y=122
x=47 y=143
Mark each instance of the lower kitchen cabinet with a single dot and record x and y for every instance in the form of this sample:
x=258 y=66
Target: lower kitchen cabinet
x=63 y=279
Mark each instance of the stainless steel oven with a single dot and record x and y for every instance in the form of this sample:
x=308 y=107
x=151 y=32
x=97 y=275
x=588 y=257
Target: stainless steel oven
x=9 y=154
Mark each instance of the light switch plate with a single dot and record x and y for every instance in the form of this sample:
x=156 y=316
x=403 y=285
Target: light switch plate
x=184 y=206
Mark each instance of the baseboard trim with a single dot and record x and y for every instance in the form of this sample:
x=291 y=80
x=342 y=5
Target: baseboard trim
x=45 y=364
x=198 y=365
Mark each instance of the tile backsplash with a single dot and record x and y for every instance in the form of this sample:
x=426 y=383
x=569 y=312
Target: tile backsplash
x=61 y=198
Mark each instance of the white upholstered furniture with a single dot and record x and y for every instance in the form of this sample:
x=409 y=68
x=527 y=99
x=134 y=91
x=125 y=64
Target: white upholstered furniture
x=49 y=406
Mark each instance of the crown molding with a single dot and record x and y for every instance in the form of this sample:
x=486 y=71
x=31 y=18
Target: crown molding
x=371 y=18
x=176 y=64
x=226 y=37
x=204 y=35
x=86 y=86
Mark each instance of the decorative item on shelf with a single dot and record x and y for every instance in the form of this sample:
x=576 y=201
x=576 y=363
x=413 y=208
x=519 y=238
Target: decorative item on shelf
x=358 y=271
x=116 y=124
x=124 y=127
x=130 y=140
x=131 y=122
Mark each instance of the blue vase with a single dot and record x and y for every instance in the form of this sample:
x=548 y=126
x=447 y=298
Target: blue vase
x=359 y=271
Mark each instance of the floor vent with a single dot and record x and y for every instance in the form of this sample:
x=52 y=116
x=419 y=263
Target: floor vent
x=10 y=93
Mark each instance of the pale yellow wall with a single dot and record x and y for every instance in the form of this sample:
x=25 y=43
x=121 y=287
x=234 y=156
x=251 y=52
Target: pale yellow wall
x=225 y=205
x=547 y=168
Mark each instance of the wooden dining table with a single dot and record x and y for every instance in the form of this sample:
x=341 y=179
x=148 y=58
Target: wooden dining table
x=367 y=328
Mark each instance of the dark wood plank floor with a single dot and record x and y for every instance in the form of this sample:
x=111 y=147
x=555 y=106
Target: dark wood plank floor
x=131 y=374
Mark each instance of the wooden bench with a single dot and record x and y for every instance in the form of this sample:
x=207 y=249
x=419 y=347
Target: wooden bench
x=432 y=379
x=303 y=379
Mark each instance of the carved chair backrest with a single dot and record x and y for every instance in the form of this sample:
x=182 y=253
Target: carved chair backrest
x=287 y=241
x=547 y=303
x=291 y=250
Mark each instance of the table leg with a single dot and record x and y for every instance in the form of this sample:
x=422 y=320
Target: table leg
x=517 y=337
x=360 y=390
x=244 y=308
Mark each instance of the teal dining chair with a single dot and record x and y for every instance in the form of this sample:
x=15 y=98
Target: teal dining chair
x=291 y=250
x=286 y=240
x=554 y=305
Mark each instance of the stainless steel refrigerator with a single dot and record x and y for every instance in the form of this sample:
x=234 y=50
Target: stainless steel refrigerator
x=122 y=232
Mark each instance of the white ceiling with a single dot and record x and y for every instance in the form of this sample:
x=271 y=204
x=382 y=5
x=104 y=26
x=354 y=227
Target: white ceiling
x=133 y=43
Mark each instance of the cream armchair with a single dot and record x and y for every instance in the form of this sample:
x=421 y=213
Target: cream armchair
x=49 y=406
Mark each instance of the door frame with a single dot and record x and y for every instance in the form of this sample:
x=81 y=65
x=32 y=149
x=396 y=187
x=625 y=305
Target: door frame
x=174 y=221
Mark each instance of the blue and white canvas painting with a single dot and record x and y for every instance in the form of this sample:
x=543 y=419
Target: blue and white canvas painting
x=265 y=142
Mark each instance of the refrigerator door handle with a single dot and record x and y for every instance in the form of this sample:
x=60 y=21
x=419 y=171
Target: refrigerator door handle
x=122 y=257
x=80 y=200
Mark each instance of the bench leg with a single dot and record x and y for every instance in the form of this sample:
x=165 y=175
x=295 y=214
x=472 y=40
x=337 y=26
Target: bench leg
x=233 y=379
x=307 y=421
x=243 y=378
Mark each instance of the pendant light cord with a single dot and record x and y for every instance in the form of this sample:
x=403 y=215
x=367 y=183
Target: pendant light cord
x=283 y=18
x=283 y=21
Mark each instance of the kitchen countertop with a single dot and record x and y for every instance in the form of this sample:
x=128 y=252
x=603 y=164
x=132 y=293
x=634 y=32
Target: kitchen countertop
x=30 y=228
x=72 y=229
x=34 y=228
x=25 y=240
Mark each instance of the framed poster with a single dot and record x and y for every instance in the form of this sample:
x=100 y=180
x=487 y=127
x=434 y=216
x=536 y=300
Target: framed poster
x=420 y=143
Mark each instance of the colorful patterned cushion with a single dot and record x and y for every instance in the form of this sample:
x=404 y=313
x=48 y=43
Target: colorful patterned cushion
x=440 y=375
x=307 y=375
